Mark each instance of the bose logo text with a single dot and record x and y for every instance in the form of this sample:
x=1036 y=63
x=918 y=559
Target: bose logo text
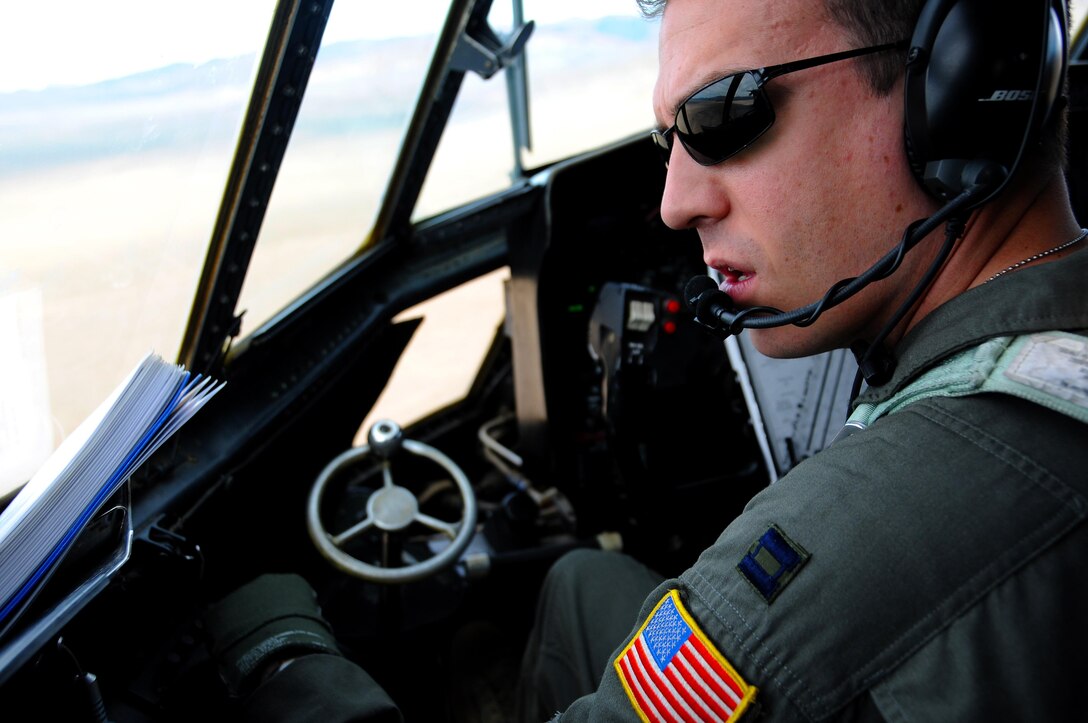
x=1009 y=95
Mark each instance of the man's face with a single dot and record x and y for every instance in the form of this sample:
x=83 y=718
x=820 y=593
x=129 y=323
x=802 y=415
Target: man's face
x=820 y=197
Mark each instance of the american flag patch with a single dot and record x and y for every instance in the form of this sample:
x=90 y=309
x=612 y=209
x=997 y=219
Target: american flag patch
x=672 y=672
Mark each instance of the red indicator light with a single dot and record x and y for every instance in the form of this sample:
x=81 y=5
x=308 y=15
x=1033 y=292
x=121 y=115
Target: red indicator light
x=669 y=327
x=672 y=306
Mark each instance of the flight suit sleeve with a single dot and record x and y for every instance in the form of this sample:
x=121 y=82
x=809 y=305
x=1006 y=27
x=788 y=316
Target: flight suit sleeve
x=849 y=566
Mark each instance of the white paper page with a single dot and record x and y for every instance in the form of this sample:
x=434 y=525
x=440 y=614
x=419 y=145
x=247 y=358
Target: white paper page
x=45 y=517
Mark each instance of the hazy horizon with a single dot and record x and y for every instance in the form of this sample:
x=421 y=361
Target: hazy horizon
x=108 y=194
x=51 y=126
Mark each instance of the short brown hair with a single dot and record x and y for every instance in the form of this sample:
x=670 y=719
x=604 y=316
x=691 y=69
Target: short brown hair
x=868 y=22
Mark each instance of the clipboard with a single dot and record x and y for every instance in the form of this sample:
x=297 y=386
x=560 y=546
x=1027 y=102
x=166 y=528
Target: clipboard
x=96 y=555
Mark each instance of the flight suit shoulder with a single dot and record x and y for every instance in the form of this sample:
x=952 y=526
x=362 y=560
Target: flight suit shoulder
x=900 y=529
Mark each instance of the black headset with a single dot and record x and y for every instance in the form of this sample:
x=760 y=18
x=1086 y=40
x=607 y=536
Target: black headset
x=982 y=80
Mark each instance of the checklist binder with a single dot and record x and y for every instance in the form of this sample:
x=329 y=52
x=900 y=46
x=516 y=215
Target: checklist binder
x=797 y=406
x=69 y=530
x=96 y=555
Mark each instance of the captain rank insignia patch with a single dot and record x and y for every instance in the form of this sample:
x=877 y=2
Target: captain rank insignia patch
x=672 y=672
x=772 y=561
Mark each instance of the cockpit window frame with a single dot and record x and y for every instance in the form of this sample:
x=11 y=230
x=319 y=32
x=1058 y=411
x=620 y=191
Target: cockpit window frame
x=288 y=58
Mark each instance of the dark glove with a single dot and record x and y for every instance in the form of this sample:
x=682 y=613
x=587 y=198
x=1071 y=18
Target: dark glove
x=262 y=624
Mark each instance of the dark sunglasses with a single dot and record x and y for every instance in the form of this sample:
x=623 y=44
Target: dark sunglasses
x=726 y=116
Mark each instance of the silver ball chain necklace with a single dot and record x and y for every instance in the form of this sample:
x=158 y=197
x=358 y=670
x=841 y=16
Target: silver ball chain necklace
x=1036 y=257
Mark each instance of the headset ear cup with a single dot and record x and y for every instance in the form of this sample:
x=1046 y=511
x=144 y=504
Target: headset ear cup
x=981 y=80
x=1055 y=64
x=916 y=121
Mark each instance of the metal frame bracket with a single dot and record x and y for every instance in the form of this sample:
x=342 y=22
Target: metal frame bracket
x=481 y=51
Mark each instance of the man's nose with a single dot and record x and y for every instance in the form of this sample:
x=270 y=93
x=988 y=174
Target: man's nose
x=693 y=194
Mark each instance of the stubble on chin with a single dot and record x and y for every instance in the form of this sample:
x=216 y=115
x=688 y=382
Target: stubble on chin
x=793 y=342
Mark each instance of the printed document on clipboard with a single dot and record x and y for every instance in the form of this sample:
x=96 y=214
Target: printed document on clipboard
x=43 y=521
x=797 y=406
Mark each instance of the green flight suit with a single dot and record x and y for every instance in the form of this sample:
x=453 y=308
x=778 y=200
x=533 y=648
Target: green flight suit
x=942 y=550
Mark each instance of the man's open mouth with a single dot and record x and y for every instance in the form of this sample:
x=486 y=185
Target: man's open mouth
x=736 y=275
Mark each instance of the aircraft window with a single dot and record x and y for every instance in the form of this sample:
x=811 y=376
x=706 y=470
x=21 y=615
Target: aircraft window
x=442 y=360
x=592 y=68
x=118 y=132
x=475 y=154
x=358 y=101
x=600 y=56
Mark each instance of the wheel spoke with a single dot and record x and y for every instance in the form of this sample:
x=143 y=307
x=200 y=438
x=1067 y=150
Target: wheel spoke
x=386 y=551
x=390 y=512
x=353 y=531
x=436 y=524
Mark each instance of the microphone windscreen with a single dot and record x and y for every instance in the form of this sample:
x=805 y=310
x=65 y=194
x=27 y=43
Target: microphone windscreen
x=696 y=287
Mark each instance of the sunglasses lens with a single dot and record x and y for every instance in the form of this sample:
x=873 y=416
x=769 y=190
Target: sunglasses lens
x=724 y=118
x=663 y=142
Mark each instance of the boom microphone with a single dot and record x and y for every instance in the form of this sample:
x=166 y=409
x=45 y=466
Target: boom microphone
x=715 y=310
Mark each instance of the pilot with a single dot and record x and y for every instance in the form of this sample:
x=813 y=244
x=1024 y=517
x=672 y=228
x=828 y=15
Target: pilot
x=928 y=565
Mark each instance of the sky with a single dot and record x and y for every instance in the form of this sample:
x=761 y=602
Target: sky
x=75 y=42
